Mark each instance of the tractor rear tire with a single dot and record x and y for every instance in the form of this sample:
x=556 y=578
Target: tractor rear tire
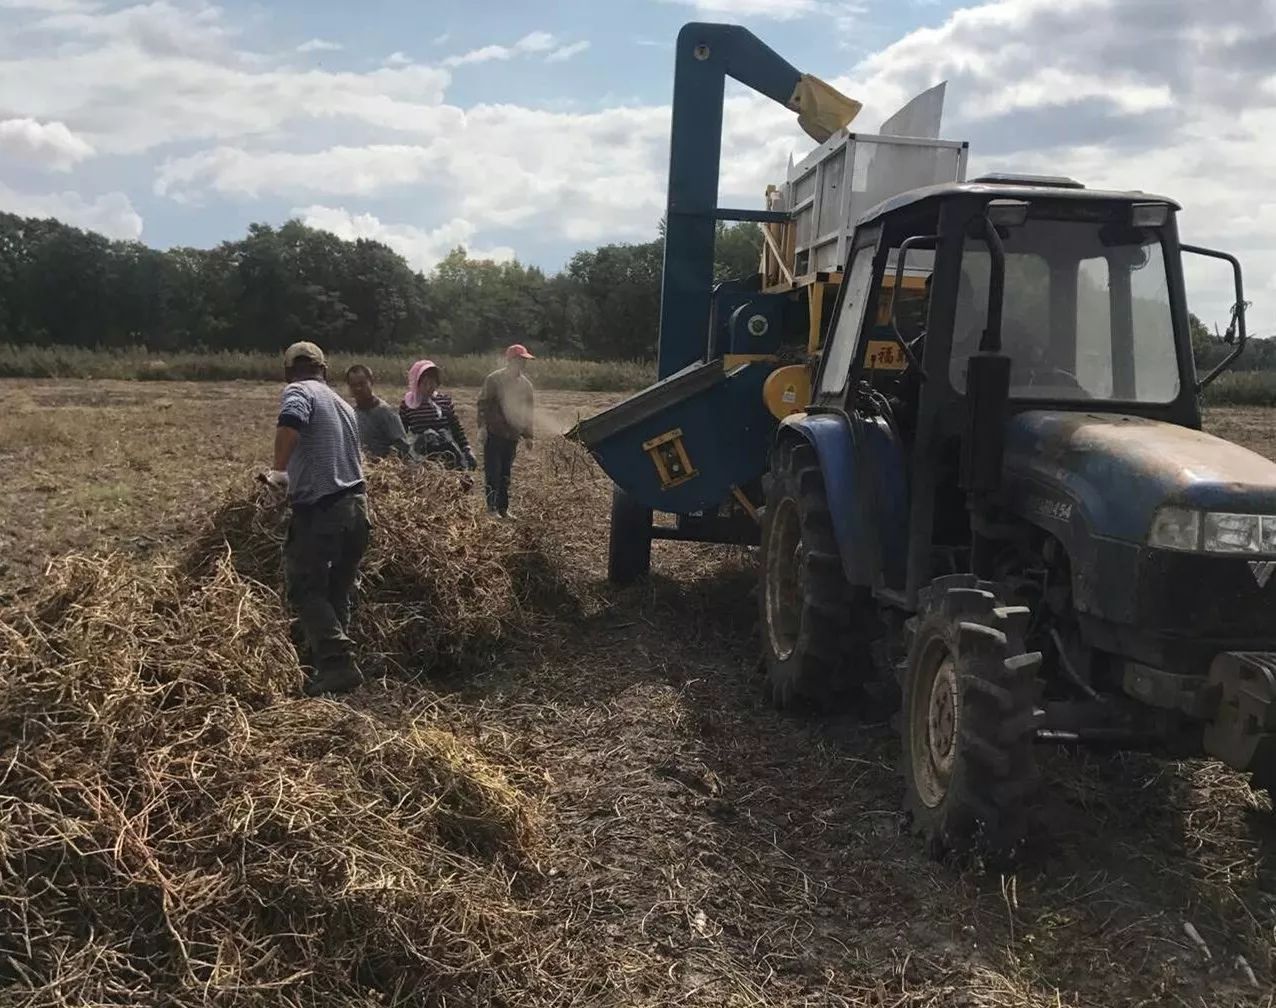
x=813 y=645
x=969 y=721
x=629 y=541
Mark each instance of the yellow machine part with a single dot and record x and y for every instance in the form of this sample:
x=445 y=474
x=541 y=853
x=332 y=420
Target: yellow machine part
x=822 y=109
x=822 y=294
x=787 y=390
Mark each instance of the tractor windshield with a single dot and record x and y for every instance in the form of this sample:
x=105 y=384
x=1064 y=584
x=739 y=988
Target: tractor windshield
x=1086 y=312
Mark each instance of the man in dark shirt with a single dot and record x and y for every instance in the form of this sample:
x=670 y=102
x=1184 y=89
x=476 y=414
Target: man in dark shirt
x=381 y=431
x=317 y=462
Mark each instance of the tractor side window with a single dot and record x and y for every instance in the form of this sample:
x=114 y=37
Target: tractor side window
x=841 y=350
x=1156 y=372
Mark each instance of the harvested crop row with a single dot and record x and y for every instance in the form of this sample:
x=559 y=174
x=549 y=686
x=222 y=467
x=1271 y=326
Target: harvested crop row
x=441 y=586
x=175 y=829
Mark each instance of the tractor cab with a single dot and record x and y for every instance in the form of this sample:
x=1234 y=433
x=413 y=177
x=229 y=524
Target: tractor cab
x=964 y=305
x=1091 y=311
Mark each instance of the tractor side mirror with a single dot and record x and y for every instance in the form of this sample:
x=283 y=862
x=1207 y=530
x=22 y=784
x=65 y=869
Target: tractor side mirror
x=1236 y=328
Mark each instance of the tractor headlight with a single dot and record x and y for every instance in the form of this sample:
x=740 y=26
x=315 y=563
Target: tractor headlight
x=1269 y=533
x=1183 y=528
x=1176 y=528
x=1232 y=533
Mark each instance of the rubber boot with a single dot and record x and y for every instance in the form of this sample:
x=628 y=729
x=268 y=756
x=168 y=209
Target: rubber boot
x=337 y=676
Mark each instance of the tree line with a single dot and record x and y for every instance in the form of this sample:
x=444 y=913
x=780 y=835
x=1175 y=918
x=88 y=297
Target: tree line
x=1211 y=348
x=60 y=285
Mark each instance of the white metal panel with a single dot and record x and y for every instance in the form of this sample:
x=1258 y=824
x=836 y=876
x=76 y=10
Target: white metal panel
x=852 y=172
x=920 y=117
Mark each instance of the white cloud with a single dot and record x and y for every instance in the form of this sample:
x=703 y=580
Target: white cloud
x=593 y=175
x=150 y=75
x=344 y=171
x=159 y=27
x=397 y=59
x=111 y=214
x=49 y=6
x=442 y=39
x=564 y=53
x=421 y=247
x=533 y=42
x=740 y=10
x=319 y=45
x=49 y=144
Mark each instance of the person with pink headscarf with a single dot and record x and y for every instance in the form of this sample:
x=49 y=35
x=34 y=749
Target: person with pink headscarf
x=429 y=416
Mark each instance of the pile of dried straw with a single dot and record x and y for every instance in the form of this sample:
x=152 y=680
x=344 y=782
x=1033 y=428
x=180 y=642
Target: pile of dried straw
x=442 y=583
x=177 y=829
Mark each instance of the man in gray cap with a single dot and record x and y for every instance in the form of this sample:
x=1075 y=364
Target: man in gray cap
x=317 y=463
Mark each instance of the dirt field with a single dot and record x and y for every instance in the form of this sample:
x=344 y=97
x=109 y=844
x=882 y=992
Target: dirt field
x=707 y=850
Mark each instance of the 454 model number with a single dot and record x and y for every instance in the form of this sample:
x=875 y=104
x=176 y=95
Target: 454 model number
x=1049 y=507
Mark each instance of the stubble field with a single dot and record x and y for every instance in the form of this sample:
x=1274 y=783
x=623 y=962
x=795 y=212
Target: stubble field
x=702 y=849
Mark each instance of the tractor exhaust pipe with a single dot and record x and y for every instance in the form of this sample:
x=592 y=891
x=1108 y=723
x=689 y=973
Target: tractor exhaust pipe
x=988 y=380
x=988 y=387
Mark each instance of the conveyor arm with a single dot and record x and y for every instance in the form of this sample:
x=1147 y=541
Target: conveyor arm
x=706 y=55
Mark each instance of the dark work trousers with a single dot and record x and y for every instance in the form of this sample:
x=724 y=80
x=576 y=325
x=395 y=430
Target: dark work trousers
x=498 y=464
x=322 y=552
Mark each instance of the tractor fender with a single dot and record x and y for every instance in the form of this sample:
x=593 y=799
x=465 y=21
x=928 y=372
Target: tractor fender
x=864 y=478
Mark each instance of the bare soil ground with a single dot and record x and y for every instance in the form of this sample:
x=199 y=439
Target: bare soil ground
x=708 y=851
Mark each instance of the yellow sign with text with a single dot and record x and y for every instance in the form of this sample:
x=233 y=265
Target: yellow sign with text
x=885 y=355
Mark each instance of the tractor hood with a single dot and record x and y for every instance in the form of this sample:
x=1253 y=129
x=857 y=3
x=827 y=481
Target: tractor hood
x=1119 y=469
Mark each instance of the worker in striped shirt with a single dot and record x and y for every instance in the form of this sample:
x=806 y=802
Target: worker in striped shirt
x=429 y=416
x=317 y=463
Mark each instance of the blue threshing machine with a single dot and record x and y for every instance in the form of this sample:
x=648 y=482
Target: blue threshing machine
x=736 y=357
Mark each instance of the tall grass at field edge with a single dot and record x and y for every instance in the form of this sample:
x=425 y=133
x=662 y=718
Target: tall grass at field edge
x=1235 y=388
x=1243 y=388
x=135 y=364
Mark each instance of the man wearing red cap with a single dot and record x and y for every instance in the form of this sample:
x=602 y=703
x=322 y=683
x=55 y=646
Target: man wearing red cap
x=505 y=407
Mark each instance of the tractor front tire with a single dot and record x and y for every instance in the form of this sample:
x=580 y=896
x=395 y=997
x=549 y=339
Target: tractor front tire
x=813 y=646
x=969 y=722
x=629 y=542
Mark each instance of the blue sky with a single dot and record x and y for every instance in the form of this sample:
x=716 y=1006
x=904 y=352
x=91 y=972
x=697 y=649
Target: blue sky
x=535 y=129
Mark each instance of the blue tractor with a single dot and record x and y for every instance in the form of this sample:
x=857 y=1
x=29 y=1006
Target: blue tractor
x=1014 y=522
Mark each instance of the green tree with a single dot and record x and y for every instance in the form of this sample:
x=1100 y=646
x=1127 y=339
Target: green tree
x=737 y=250
x=1202 y=339
x=59 y=284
